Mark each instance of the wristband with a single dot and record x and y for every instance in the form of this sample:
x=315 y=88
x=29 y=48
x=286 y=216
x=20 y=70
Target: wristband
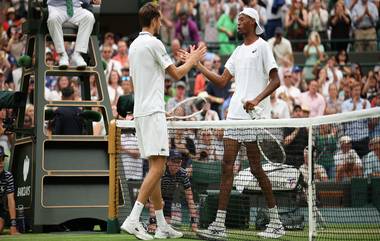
x=152 y=220
x=193 y=220
x=13 y=222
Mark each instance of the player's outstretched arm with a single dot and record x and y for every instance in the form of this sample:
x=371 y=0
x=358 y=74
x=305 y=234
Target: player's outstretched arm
x=219 y=80
x=178 y=72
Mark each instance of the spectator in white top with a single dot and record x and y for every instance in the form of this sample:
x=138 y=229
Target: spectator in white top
x=261 y=10
x=279 y=108
x=288 y=92
x=371 y=161
x=180 y=95
x=280 y=46
x=318 y=18
x=347 y=161
x=111 y=63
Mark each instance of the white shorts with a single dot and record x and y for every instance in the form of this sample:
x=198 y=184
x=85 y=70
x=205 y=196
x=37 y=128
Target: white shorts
x=152 y=135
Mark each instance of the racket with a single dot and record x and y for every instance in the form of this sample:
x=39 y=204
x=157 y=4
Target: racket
x=269 y=145
x=179 y=111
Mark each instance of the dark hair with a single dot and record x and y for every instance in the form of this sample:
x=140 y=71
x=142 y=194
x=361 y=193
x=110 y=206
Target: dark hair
x=67 y=92
x=147 y=13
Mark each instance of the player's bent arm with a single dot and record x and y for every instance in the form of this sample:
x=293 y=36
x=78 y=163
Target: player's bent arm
x=274 y=83
x=178 y=73
x=219 y=80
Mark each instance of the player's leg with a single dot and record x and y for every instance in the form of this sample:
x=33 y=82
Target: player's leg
x=163 y=230
x=275 y=228
x=152 y=136
x=217 y=229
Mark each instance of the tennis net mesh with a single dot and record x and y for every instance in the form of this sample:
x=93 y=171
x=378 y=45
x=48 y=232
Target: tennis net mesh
x=341 y=200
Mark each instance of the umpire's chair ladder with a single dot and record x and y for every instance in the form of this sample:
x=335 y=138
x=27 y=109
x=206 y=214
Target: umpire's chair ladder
x=61 y=178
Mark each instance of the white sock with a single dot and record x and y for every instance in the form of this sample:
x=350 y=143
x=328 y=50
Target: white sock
x=221 y=217
x=161 y=222
x=273 y=214
x=136 y=211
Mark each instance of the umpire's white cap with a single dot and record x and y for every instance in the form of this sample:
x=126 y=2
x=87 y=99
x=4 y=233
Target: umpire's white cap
x=251 y=12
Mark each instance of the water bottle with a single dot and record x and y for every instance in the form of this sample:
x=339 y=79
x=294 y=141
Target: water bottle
x=20 y=218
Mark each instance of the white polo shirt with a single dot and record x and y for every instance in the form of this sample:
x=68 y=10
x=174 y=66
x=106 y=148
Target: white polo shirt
x=148 y=60
x=250 y=65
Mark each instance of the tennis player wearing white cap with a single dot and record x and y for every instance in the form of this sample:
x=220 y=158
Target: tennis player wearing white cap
x=253 y=66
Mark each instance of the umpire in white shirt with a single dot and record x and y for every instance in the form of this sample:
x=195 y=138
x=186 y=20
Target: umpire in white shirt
x=61 y=11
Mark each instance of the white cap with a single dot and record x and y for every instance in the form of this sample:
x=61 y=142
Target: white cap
x=250 y=12
x=345 y=139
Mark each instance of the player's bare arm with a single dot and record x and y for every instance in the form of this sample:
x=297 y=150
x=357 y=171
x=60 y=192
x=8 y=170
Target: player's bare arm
x=179 y=72
x=219 y=80
x=274 y=83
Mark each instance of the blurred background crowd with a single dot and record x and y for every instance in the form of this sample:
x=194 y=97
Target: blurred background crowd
x=312 y=42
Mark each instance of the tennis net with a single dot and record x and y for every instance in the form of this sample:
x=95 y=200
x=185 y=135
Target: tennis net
x=341 y=200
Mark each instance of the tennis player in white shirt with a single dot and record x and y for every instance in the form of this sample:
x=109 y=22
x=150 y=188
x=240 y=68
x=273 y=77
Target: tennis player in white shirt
x=255 y=71
x=148 y=63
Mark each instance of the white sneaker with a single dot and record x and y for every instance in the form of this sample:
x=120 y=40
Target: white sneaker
x=273 y=230
x=167 y=232
x=78 y=61
x=63 y=61
x=135 y=228
x=215 y=231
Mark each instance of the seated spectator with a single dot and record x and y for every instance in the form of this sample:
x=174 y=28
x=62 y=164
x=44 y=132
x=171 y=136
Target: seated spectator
x=346 y=160
x=317 y=19
x=180 y=95
x=296 y=23
x=122 y=53
x=56 y=94
x=371 y=87
x=342 y=61
x=313 y=100
x=325 y=146
x=29 y=111
x=340 y=23
x=111 y=63
x=371 y=161
x=357 y=130
x=334 y=74
x=286 y=66
x=113 y=87
x=67 y=120
x=227 y=28
x=333 y=103
x=7 y=197
x=280 y=46
x=127 y=86
x=287 y=92
x=314 y=53
x=186 y=30
x=59 y=13
x=320 y=174
x=175 y=175
x=365 y=15
x=109 y=40
x=130 y=156
x=207 y=114
x=10 y=18
x=298 y=78
x=279 y=108
x=17 y=42
x=295 y=140
x=217 y=95
x=207 y=150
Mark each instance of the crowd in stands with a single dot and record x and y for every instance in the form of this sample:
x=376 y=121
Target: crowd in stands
x=324 y=85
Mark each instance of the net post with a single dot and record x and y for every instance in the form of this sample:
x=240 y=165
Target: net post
x=310 y=183
x=112 y=222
